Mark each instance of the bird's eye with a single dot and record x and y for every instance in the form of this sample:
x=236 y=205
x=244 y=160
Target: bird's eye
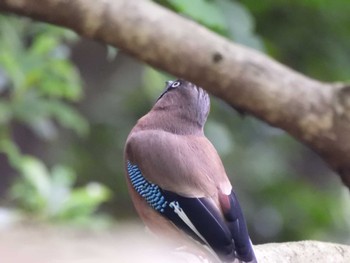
x=175 y=84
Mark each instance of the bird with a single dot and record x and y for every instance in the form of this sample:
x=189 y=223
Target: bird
x=177 y=181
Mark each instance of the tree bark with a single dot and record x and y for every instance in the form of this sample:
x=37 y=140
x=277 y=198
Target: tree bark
x=316 y=113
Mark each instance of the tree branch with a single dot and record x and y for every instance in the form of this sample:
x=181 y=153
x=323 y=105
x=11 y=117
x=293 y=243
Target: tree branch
x=316 y=113
x=303 y=251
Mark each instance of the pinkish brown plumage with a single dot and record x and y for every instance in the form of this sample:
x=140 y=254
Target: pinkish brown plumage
x=177 y=180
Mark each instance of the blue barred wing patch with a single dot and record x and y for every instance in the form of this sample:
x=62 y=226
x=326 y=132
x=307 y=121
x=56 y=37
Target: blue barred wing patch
x=195 y=216
x=151 y=192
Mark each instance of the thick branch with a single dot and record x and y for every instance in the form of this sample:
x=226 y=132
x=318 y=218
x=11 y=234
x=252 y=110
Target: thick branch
x=316 y=113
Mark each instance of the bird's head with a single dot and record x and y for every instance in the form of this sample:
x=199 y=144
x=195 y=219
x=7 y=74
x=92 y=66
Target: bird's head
x=186 y=100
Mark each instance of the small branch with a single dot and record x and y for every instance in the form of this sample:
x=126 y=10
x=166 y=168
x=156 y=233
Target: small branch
x=315 y=113
x=303 y=251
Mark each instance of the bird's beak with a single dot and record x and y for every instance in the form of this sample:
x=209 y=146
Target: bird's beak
x=168 y=84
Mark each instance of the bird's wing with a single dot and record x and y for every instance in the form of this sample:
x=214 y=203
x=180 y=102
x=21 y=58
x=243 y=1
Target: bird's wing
x=235 y=221
x=183 y=179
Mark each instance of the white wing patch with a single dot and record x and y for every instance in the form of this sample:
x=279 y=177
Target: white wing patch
x=178 y=210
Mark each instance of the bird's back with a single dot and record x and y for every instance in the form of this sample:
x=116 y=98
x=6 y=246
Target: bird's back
x=177 y=180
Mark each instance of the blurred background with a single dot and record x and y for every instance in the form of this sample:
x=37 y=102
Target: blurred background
x=67 y=105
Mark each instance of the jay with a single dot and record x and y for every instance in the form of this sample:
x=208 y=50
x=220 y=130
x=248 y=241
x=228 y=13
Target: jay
x=177 y=181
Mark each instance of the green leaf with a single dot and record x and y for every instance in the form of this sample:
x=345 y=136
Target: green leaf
x=205 y=12
x=10 y=34
x=64 y=80
x=11 y=66
x=62 y=180
x=62 y=176
x=37 y=175
x=40 y=28
x=83 y=201
x=8 y=147
x=43 y=44
x=36 y=113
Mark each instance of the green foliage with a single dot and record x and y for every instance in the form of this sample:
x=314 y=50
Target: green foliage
x=308 y=35
x=38 y=84
x=228 y=18
x=303 y=210
x=37 y=77
x=205 y=12
x=49 y=195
